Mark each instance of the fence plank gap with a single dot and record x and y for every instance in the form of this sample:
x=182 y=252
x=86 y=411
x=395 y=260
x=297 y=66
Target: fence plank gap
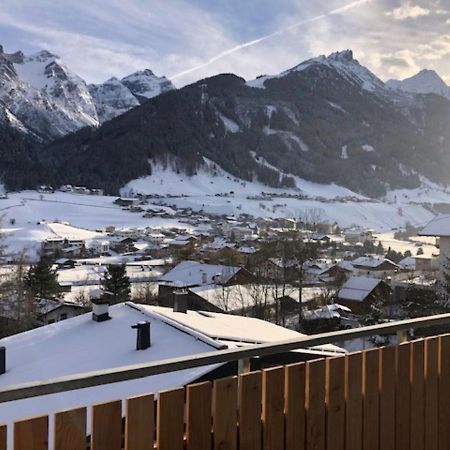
x=431 y=393
x=335 y=403
x=170 y=420
x=31 y=434
x=273 y=409
x=444 y=392
x=353 y=397
x=225 y=414
x=3 y=437
x=417 y=438
x=199 y=419
x=294 y=406
x=371 y=403
x=315 y=405
x=250 y=398
x=140 y=423
x=403 y=400
x=106 y=431
x=70 y=430
x=387 y=398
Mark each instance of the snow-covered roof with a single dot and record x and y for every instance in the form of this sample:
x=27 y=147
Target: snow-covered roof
x=80 y=345
x=228 y=328
x=409 y=263
x=372 y=261
x=358 y=288
x=193 y=273
x=439 y=226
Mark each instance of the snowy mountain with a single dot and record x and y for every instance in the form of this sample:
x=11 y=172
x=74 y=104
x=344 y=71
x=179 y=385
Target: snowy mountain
x=327 y=120
x=114 y=96
x=424 y=82
x=43 y=97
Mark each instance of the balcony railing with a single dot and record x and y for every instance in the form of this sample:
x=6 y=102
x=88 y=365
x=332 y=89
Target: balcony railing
x=389 y=398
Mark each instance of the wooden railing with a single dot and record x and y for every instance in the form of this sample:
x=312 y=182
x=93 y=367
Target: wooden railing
x=392 y=398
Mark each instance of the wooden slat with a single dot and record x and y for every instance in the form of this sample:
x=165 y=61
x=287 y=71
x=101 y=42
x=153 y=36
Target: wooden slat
x=417 y=396
x=444 y=392
x=371 y=404
x=225 y=414
x=335 y=401
x=431 y=393
x=315 y=405
x=106 y=433
x=294 y=406
x=273 y=409
x=3 y=437
x=353 y=397
x=31 y=434
x=403 y=400
x=199 y=419
x=70 y=430
x=250 y=397
x=170 y=420
x=140 y=423
x=387 y=398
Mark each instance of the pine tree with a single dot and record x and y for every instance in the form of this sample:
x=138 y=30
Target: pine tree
x=42 y=281
x=376 y=313
x=117 y=283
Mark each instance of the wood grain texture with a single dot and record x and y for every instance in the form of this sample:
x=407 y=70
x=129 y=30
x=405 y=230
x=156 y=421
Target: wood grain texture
x=31 y=434
x=315 y=405
x=335 y=401
x=353 y=397
x=432 y=393
x=170 y=420
x=371 y=399
x=225 y=414
x=3 y=437
x=140 y=423
x=250 y=399
x=106 y=430
x=70 y=430
x=417 y=396
x=387 y=398
x=294 y=406
x=199 y=416
x=403 y=397
x=273 y=409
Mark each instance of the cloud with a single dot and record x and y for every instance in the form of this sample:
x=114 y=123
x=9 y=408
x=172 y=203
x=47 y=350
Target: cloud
x=408 y=11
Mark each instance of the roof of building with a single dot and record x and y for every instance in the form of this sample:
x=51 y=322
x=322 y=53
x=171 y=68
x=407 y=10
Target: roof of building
x=358 y=288
x=79 y=345
x=372 y=261
x=194 y=273
x=439 y=226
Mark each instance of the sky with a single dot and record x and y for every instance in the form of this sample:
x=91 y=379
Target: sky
x=187 y=40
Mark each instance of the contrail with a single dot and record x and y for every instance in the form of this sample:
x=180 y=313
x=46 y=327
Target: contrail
x=339 y=10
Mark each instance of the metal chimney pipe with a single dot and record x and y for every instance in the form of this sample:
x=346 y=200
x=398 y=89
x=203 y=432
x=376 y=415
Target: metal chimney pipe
x=143 y=335
x=2 y=360
x=180 y=301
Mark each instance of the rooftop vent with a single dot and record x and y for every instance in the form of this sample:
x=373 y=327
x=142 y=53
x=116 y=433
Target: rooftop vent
x=180 y=301
x=100 y=309
x=143 y=335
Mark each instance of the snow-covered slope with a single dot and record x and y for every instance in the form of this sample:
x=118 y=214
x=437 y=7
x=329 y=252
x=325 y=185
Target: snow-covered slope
x=424 y=82
x=42 y=95
x=343 y=62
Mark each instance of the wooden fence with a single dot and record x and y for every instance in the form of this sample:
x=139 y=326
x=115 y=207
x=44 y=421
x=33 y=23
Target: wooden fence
x=393 y=398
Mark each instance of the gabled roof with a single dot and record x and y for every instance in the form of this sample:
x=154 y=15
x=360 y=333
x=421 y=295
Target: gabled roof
x=80 y=345
x=358 y=288
x=439 y=226
x=372 y=262
x=193 y=273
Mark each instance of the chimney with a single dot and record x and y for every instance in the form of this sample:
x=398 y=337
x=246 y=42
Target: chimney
x=143 y=335
x=2 y=360
x=180 y=301
x=100 y=309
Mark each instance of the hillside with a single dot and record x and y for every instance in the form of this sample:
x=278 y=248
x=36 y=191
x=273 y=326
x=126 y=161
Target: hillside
x=326 y=120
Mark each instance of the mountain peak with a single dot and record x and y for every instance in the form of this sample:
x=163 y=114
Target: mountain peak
x=344 y=56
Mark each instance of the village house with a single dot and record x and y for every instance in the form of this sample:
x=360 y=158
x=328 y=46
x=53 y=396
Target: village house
x=374 y=266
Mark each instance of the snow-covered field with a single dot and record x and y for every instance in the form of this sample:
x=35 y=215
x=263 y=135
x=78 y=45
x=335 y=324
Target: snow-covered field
x=30 y=217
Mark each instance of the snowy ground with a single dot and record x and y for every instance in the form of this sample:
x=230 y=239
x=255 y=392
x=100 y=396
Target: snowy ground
x=213 y=191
